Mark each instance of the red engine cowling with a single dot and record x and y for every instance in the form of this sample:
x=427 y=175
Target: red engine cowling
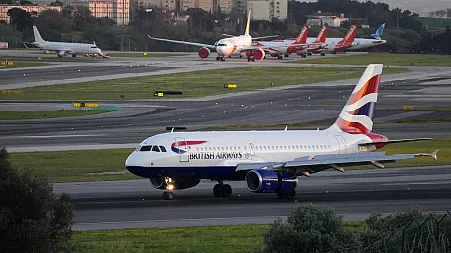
x=274 y=55
x=259 y=54
x=203 y=52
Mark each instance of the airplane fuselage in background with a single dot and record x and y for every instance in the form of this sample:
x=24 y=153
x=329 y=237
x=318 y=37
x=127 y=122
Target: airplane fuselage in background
x=233 y=45
x=360 y=43
x=69 y=48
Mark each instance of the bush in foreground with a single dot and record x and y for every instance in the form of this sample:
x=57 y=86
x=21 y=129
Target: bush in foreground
x=309 y=229
x=31 y=219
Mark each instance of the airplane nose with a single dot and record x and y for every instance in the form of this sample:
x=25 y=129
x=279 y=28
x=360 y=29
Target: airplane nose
x=219 y=50
x=137 y=159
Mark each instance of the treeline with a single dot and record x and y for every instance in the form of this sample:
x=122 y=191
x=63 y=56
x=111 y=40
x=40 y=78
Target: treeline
x=404 y=32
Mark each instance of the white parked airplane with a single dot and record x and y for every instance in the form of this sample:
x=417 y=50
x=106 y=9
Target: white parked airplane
x=235 y=45
x=268 y=161
x=63 y=48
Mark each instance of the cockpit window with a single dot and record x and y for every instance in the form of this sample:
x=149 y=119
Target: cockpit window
x=155 y=149
x=222 y=45
x=163 y=149
x=93 y=47
x=146 y=148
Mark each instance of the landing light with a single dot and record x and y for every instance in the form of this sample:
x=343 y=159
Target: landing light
x=170 y=187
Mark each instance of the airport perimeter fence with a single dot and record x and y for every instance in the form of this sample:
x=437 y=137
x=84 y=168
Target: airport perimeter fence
x=430 y=234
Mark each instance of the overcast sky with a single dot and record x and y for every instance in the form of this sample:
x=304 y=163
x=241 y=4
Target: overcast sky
x=419 y=6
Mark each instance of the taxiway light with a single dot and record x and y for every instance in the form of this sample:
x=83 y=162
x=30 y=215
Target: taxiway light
x=162 y=93
x=89 y=105
x=231 y=86
x=408 y=107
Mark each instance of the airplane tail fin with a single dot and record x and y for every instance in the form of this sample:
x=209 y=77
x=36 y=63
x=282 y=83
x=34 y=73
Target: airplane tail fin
x=248 y=23
x=377 y=35
x=350 y=36
x=37 y=36
x=322 y=35
x=357 y=114
x=302 y=37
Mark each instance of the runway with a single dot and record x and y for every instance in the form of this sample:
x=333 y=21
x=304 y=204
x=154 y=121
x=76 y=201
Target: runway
x=316 y=104
x=355 y=194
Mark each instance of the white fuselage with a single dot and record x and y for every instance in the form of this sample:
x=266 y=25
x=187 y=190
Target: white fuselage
x=69 y=48
x=233 y=45
x=359 y=43
x=228 y=148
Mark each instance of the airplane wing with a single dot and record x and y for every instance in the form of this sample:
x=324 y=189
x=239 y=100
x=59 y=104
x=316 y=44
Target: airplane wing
x=184 y=42
x=307 y=165
x=265 y=37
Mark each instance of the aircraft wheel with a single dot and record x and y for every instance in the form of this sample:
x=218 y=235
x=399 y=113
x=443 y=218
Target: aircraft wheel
x=217 y=58
x=323 y=54
x=253 y=59
x=217 y=190
x=309 y=54
x=168 y=195
x=230 y=56
x=248 y=59
x=226 y=190
x=286 y=55
x=223 y=59
x=290 y=194
x=74 y=55
x=241 y=56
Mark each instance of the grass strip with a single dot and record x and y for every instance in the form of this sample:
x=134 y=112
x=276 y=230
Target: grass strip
x=141 y=54
x=16 y=115
x=85 y=165
x=386 y=59
x=192 y=84
x=215 y=239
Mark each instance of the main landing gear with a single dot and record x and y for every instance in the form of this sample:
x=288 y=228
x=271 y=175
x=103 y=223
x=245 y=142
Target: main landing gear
x=279 y=57
x=220 y=58
x=250 y=59
x=290 y=194
x=169 y=194
x=222 y=190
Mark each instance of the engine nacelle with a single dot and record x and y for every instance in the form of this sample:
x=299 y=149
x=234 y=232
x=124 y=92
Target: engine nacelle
x=179 y=183
x=203 y=52
x=268 y=181
x=258 y=54
x=299 y=53
x=274 y=55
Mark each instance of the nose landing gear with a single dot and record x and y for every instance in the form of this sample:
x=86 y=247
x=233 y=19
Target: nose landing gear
x=169 y=194
x=222 y=190
x=221 y=58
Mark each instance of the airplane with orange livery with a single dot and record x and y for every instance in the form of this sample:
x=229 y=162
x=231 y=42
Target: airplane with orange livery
x=234 y=45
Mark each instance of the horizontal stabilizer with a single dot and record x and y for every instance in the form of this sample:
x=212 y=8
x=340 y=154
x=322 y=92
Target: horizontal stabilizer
x=394 y=141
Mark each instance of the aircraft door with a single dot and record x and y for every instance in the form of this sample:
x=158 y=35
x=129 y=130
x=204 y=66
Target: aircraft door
x=181 y=147
x=341 y=144
x=250 y=151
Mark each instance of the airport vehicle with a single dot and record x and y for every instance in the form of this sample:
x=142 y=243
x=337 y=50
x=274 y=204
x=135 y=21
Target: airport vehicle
x=373 y=39
x=234 y=45
x=280 y=48
x=64 y=48
x=268 y=161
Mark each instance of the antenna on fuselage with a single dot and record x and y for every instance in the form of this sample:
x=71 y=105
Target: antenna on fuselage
x=172 y=130
x=286 y=128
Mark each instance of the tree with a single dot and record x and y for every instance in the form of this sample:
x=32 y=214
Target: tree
x=56 y=3
x=82 y=16
x=31 y=219
x=309 y=229
x=25 y=2
x=20 y=19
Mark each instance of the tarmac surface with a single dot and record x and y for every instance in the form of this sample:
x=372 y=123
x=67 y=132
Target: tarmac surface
x=133 y=204
x=355 y=194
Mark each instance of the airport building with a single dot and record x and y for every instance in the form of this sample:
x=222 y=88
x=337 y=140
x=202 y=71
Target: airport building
x=118 y=10
x=34 y=10
x=268 y=9
x=101 y=9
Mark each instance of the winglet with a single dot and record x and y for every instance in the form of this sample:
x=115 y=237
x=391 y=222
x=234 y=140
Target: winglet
x=433 y=154
x=246 y=33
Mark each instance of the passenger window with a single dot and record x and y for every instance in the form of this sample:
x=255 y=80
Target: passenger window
x=146 y=148
x=163 y=149
x=155 y=149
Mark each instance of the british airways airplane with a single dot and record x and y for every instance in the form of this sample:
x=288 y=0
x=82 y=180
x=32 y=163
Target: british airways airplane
x=268 y=161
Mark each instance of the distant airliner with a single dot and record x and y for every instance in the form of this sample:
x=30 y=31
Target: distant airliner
x=268 y=161
x=63 y=48
x=235 y=45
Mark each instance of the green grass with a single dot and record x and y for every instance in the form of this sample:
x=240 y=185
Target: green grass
x=85 y=165
x=13 y=115
x=386 y=59
x=192 y=84
x=436 y=109
x=141 y=54
x=216 y=239
x=76 y=165
x=18 y=64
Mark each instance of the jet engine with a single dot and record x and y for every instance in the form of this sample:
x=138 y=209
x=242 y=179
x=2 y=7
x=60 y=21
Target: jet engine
x=268 y=181
x=258 y=54
x=274 y=55
x=203 y=52
x=179 y=183
x=61 y=54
